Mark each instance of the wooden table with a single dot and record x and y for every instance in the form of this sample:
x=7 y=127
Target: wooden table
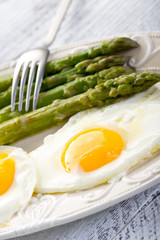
x=23 y=25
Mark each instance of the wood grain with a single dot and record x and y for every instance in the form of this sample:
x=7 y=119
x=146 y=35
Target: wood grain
x=23 y=25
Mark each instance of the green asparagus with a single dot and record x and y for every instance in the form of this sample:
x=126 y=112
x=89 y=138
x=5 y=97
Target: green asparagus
x=55 y=66
x=104 y=93
x=105 y=48
x=5 y=82
x=85 y=67
x=67 y=76
x=52 y=67
x=59 y=79
x=67 y=90
x=47 y=83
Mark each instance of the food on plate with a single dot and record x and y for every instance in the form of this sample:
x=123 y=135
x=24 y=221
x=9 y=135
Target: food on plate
x=68 y=69
x=103 y=94
x=105 y=48
x=50 y=82
x=99 y=144
x=77 y=86
x=17 y=181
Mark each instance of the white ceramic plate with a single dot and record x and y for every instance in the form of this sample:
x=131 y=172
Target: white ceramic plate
x=46 y=211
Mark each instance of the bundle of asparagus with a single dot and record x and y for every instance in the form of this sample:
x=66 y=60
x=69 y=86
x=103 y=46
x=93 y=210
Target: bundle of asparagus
x=83 y=78
x=103 y=94
x=105 y=48
x=68 y=76
x=67 y=90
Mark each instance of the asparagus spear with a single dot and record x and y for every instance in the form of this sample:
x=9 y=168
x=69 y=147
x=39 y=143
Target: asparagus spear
x=105 y=48
x=104 y=93
x=48 y=82
x=60 y=78
x=67 y=90
x=5 y=82
x=99 y=63
x=70 y=75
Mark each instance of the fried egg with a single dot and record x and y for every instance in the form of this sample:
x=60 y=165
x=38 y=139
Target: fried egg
x=97 y=145
x=17 y=181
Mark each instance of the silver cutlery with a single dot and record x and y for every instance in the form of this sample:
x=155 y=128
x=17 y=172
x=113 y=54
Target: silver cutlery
x=32 y=64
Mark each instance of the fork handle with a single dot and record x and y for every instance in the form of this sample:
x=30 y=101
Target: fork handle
x=62 y=9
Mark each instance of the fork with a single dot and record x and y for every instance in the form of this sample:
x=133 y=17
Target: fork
x=32 y=64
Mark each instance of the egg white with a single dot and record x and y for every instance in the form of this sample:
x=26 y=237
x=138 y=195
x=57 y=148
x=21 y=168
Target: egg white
x=136 y=119
x=19 y=194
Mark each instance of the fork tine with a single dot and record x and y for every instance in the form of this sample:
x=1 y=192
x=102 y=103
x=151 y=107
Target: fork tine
x=15 y=84
x=30 y=82
x=39 y=77
x=22 y=85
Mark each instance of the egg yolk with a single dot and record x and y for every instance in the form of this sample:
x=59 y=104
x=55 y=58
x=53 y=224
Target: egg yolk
x=7 y=172
x=92 y=149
